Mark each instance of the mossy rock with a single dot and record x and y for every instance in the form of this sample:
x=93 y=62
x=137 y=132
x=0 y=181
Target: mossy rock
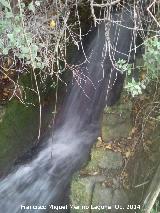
x=81 y=192
x=117 y=122
x=19 y=123
x=96 y=157
x=18 y=130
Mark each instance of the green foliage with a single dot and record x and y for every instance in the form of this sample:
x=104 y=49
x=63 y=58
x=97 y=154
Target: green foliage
x=151 y=64
x=133 y=87
x=15 y=37
x=123 y=67
x=5 y=3
x=17 y=122
x=152 y=58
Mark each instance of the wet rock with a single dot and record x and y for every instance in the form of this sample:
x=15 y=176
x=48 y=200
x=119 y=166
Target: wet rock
x=17 y=132
x=108 y=197
x=96 y=156
x=82 y=190
x=102 y=196
x=111 y=160
x=90 y=191
x=120 y=198
x=117 y=122
x=104 y=188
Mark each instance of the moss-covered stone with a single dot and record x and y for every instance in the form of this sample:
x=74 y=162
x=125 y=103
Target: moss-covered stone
x=19 y=124
x=17 y=131
x=111 y=160
x=96 y=156
x=117 y=122
x=79 y=196
x=82 y=192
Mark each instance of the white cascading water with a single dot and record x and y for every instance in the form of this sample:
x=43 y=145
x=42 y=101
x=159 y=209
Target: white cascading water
x=44 y=180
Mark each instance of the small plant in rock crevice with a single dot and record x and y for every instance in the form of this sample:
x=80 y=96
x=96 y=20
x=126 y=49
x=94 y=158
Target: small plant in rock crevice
x=151 y=60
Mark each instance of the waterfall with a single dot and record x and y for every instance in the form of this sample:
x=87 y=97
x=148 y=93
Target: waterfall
x=44 y=180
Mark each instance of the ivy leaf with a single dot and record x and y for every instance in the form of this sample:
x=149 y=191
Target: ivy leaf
x=34 y=48
x=10 y=36
x=40 y=65
x=5 y=51
x=9 y=15
x=17 y=30
x=31 y=7
x=5 y=4
x=22 y=5
x=24 y=50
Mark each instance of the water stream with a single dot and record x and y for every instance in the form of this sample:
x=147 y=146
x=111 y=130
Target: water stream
x=45 y=179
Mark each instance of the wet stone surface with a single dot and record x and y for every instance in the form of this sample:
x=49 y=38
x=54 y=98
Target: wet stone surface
x=99 y=188
x=111 y=160
x=117 y=122
x=101 y=185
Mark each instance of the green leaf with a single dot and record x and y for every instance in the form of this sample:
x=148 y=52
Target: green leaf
x=31 y=7
x=5 y=4
x=9 y=15
x=25 y=50
x=40 y=65
x=22 y=5
x=17 y=30
x=10 y=36
x=5 y=51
